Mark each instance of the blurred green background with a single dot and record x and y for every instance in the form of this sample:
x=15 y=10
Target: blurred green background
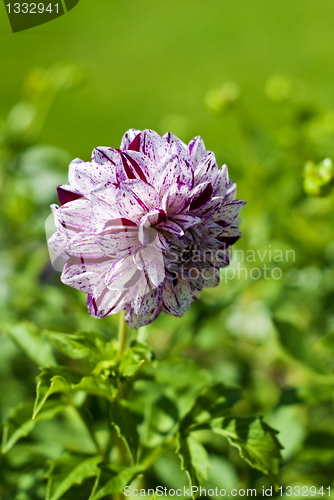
x=255 y=80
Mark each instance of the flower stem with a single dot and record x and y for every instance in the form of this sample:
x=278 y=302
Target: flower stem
x=122 y=335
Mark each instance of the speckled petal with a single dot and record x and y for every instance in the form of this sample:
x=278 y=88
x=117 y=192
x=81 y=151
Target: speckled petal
x=75 y=215
x=85 y=177
x=85 y=245
x=150 y=260
x=143 y=305
x=123 y=274
x=135 y=321
x=229 y=211
x=135 y=198
x=86 y=275
x=118 y=241
x=154 y=146
x=177 y=299
x=200 y=195
x=128 y=137
x=108 y=302
x=176 y=198
x=186 y=221
x=196 y=150
x=174 y=171
x=222 y=181
x=207 y=170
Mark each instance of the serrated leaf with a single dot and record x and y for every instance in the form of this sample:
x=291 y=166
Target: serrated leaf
x=194 y=459
x=125 y=422
x=118 y=482
x=68 y=471
x=51 y=380
x=96 y=386
x=20 y=423
x=256 y=441
x=32 y=342
x=83 y=344
x=212 y=402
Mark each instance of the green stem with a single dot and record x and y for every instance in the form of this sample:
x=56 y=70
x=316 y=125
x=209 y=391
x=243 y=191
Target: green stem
x=122 y=335
x=159 y=450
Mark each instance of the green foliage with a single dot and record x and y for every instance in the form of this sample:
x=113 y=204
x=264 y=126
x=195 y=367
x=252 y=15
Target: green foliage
x=255 y=440
x=190 y=396
x=32 y=343
x=125 y=423
x=68 y=471
x=194 y=459
x=117 y=483
x=20 y=422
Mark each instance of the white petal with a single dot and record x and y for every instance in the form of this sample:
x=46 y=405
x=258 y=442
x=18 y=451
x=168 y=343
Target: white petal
x=128 y=137
x=85 y=177
x=150 y=260
x=196 y=150
x=135 y=198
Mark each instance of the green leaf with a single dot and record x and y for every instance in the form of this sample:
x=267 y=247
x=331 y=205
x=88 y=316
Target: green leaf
x=212 y=402
x=83 y=344
x=96 y=386
x=20 y=423
x=125 y=422
x=194 y=459
x=52 y=380
x=32 y=342
x=256 y=441
x=118 y=482
x=68 y=471
x=132 y=359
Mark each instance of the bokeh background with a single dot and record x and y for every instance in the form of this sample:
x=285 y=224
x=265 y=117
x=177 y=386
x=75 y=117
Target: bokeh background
x=255 y=80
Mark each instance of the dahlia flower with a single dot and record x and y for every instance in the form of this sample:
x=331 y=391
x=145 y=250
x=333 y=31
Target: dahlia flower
x=145 y=227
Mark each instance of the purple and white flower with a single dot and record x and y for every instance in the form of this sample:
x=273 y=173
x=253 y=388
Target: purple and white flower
x=145 y=227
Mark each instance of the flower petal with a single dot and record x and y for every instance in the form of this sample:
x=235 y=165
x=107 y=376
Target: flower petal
x=128 y=137
x=135 y=321
x=122 y=274
x=85 y=177
x=65 y=194
x=86 y=275
x=84 y=245
x=108 y=302
x=210 y=209
x=135 y=198
x=150 y=260
x=75 y=215
x=196 y=150
x=229 y=212
x=143 y=305
x=154 y=146
x=174 y=171
x=186 y=221
x=207 y=170
x=222 y=181
x=118 y=241
x=176 y=198
x=201 y=194
x=176 y=299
